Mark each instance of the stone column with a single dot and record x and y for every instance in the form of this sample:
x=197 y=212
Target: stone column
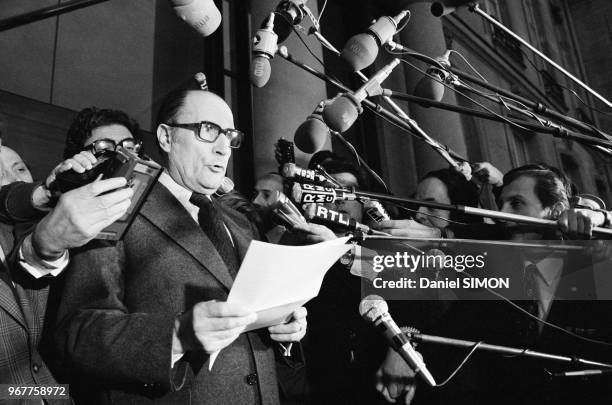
x=287 y=99
x=424 y=34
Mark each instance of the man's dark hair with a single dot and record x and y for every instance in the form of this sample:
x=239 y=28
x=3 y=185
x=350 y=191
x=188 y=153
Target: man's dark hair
x=335 y=164
x=460 y=191
x=552 y=185
x=171 y=105
x=91 y=118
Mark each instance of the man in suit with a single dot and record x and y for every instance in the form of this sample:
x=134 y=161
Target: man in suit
x=34 y=254
x=142 y=322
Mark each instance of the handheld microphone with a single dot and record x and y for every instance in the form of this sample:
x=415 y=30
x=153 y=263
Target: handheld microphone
x=311 y=135
x=286 y=212
x=202 y=15
x=342 y=112
x=226 y=186
x=311 y=193
x=292 y=171
x=430 y=88
x=264 y=48
x=335 y=220
x=361 y=50
x=375 y=310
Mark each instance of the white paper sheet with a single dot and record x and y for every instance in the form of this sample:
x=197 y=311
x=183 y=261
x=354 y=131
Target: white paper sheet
x=274 y=280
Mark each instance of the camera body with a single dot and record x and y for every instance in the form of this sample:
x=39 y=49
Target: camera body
x=140 y=174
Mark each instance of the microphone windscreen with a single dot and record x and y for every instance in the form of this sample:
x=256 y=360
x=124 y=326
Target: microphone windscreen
x=372 y=306
x=201 y=15
x=429 y=88
x=226 y=186
x=260 y=71
x=360 y=51
x=443 y=7
x=341 y=113
x=311 y=135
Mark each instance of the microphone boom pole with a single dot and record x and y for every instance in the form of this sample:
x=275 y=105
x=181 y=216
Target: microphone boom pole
x=409 y=126
x=551 y=128
x=505 y=350
x=480 y=212
x=477 y=10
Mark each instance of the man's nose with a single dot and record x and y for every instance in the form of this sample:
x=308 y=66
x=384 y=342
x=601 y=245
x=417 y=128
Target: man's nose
x=222 y=146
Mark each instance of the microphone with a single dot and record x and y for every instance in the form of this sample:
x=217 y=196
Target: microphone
x=361 y=50
x=200 y=79
x=335 y=220
x=375 y=310
x=342 y=112
x=430 y=88
x=202 y=15
x=311 y=193
x=444 y=7
x=286 y=212
x=264 y=48
x=292 y=13
x=226 y=186
x=311 y=135
x=292 y=171
x=374 y=210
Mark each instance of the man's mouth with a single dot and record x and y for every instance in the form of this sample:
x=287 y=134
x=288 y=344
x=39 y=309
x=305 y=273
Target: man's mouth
x=217 y=168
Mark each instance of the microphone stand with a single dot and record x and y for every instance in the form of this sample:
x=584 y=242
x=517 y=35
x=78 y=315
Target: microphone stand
x=535 y=107
x=505 y=350
x=438 y=147
x=480 y=212
x=477 y=10
x=603 y=145
x=409 y=126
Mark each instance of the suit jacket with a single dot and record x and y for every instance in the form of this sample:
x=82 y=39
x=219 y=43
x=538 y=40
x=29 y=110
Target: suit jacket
x=23 y=303
x=491 y=377
x=118 y=309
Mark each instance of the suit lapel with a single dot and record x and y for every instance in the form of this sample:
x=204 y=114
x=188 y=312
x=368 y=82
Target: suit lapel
x=166 y=213
x=240 y=229
x=8 y=299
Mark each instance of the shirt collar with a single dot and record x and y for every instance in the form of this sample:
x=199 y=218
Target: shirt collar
x=181 y=193
x=550 y=268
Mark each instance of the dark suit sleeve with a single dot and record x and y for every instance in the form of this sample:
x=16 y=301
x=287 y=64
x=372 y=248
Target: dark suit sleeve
x=98 y=336
x=16 y=203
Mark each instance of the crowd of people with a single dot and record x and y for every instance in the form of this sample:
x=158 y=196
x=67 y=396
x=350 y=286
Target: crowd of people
x=145 y=318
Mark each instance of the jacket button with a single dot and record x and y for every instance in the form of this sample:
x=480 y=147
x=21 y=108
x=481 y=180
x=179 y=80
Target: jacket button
x=35 y=367
x=251 y=379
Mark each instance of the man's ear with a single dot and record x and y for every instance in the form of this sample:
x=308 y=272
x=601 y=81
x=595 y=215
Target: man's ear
x=164 y=137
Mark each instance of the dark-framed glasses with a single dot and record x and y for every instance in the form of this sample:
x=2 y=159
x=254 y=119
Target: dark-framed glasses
x=104 y=144
x=206 y=131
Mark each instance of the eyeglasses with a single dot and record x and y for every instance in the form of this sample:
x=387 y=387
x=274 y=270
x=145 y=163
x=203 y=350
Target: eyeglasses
x=104 y=144
x=206 y=131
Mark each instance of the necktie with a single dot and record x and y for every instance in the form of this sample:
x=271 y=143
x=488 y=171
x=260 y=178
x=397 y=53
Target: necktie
x=532 y=296
x=211 y=222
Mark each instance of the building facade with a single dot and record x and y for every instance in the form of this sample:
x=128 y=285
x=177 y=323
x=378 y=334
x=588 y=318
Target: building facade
x=127 y=55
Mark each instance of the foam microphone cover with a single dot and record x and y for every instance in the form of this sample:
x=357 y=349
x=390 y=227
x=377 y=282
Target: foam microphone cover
x=341 y=113
x=444 y=7
x=360 y=51
x=429 y=88
x=201 y=15
x=311 y=135
x=260 y=71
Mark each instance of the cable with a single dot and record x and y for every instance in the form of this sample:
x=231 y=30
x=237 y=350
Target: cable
x=460 y=364
x=505 y=119
x=322 y=11
x=469 y=64
x=408 y=15
x=551 y=325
